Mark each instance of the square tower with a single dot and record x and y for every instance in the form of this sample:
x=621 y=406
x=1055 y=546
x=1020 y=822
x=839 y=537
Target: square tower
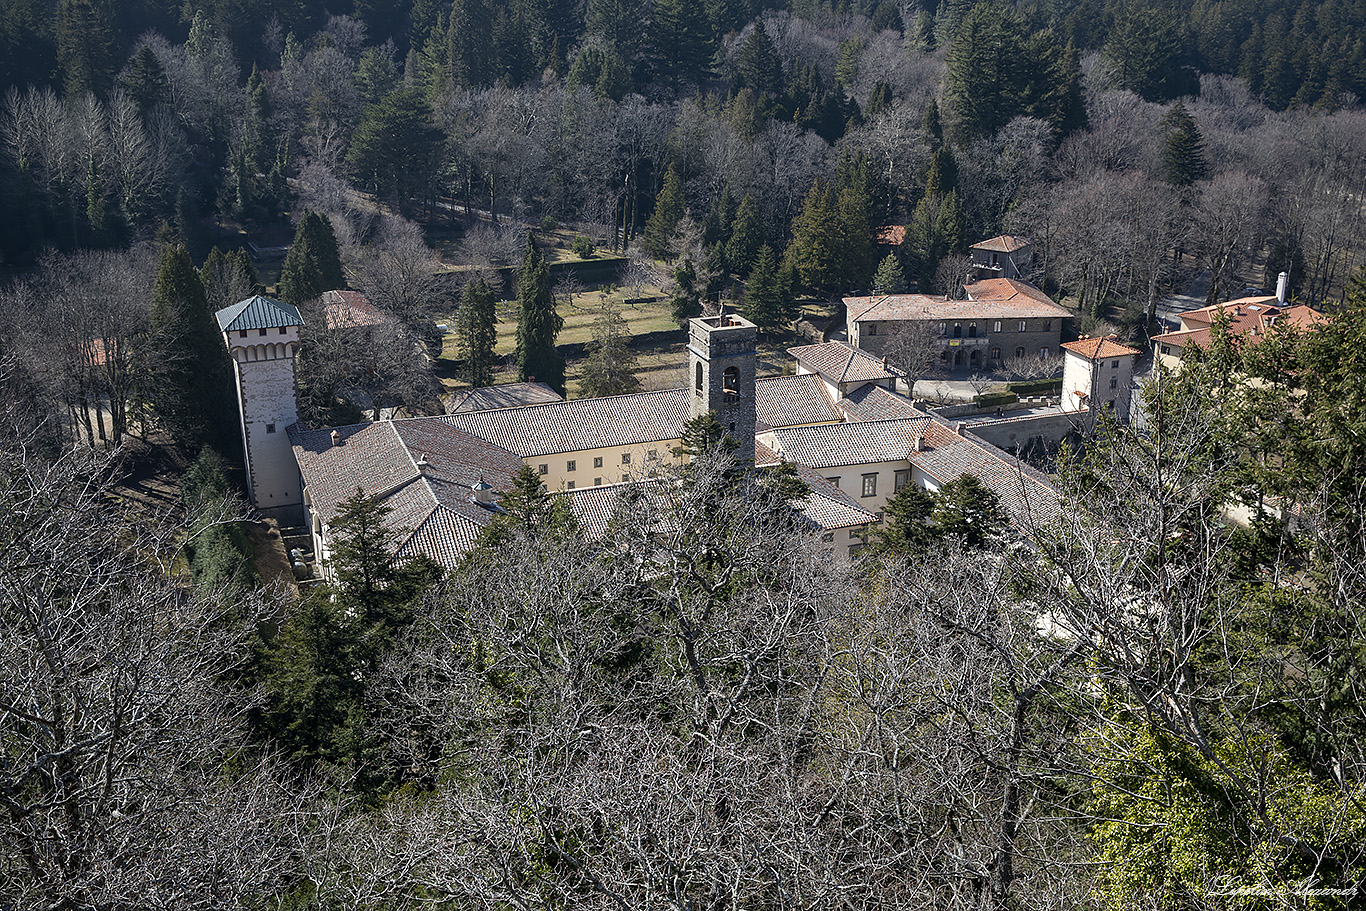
x=721 y=365
x=262 y=336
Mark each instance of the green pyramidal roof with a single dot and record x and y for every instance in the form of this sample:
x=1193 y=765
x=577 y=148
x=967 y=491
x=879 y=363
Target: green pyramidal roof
x=258 y=313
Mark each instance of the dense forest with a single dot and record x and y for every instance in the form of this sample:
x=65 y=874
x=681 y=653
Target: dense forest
x=126 y=122
x=1131 y=703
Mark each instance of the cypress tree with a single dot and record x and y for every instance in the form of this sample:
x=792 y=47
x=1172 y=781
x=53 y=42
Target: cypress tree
x=478 y=332
x=666 y=216
x=189 y=370
x=857 y=250
x=1183 y=161
x=538 y=324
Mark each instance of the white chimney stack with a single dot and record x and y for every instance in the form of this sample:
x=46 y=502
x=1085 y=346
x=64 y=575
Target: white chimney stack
x=336 y=438
x=1282 y=286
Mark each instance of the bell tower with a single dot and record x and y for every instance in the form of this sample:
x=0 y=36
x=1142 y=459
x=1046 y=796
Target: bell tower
x=721 y=364
x=262 y=336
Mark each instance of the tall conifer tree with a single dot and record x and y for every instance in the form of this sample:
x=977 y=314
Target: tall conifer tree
x=538 y=324
x=478 y=332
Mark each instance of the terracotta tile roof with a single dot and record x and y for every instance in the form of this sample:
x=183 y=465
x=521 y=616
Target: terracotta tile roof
x=1098 y=349
x=891 y=235
x=826 y=507
x=786 y=401
x=508 y=395
x=877 y=403
x=1027 y=496
x=992 y=298
x=1005 y=243
x=860 y=443
x=422 y=468
x=258 y=312
x=580 y=424
x=1010 y=291
x=1249 y=318
x=837 y=362
x=351 y=310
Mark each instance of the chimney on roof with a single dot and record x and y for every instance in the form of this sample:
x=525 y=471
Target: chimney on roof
x=918 y=443
x=1282 y=287
x=422 y=460
x=336 y=438
x=531 y=379
x=958 y=427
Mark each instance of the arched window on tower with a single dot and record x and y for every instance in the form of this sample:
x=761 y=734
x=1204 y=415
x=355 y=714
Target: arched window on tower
x=698 y=381
x=730 y=382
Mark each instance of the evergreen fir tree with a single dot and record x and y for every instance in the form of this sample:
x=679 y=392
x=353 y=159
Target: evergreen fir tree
x=687 y=298
x=907 y=531
x=145 y=81
x=816 y=241
x=746 y=236
x=478 y=332
x=890 y=279
x=610 y=368
x=765 y=304
x=191 y=379
x=682 y=40
x=857 y=250
x=758 y=65
x=313 y=264
x=668 y=213
x=537 y=324
x=1184 y=160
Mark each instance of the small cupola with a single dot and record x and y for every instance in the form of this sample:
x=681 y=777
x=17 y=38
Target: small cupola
x=483 y=492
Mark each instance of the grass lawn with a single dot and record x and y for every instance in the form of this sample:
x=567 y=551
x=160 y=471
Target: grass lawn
x=661 y=362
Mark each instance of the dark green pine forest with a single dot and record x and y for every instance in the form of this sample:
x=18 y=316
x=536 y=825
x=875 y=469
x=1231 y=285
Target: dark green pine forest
x=1152 y=697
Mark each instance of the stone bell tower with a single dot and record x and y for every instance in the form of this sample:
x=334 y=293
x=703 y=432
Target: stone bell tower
x=262 y=336
x=721 y=363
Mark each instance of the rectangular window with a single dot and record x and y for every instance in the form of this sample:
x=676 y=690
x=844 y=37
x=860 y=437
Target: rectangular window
x=872 y=328
x=828 y=537
x=244 y=333
x=1114 y=382
x=1048 y=325
x=1043 y=353
x=879 y=516
x=835 y=481
x=597 y=482
x=544 y=468
x=1022 y=325
x=569 y=485
x=597 y=461
x=901 y=479
x=263 y=332
x=1114 y=364
x=1166 y=350
x=870 y=485
x=996 y=326
x=571 y=465
x=654 y=453
x=280 y=331
x=626 y=458
x=625 y=478
x=270 y=428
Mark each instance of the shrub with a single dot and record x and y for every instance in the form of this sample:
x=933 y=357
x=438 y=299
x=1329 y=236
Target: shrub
x=995 y=399
x=548 y=224
x=583 y=247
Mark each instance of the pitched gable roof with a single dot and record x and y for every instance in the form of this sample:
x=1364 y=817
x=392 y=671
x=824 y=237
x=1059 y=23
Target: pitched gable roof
x=860 y=443
x=839 y=363
x=877 y=403
x=580 y=424
x=786 y=401
x=352 y=310
x=991 y=298
x=506 y=395
x=1004 y=243
x=258 y=312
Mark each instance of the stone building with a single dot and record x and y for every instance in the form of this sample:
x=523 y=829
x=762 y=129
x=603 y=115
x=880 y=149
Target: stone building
x=1001 y=318
x=1098 y=375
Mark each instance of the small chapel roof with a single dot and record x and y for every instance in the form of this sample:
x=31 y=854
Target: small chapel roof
x=258 y=312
